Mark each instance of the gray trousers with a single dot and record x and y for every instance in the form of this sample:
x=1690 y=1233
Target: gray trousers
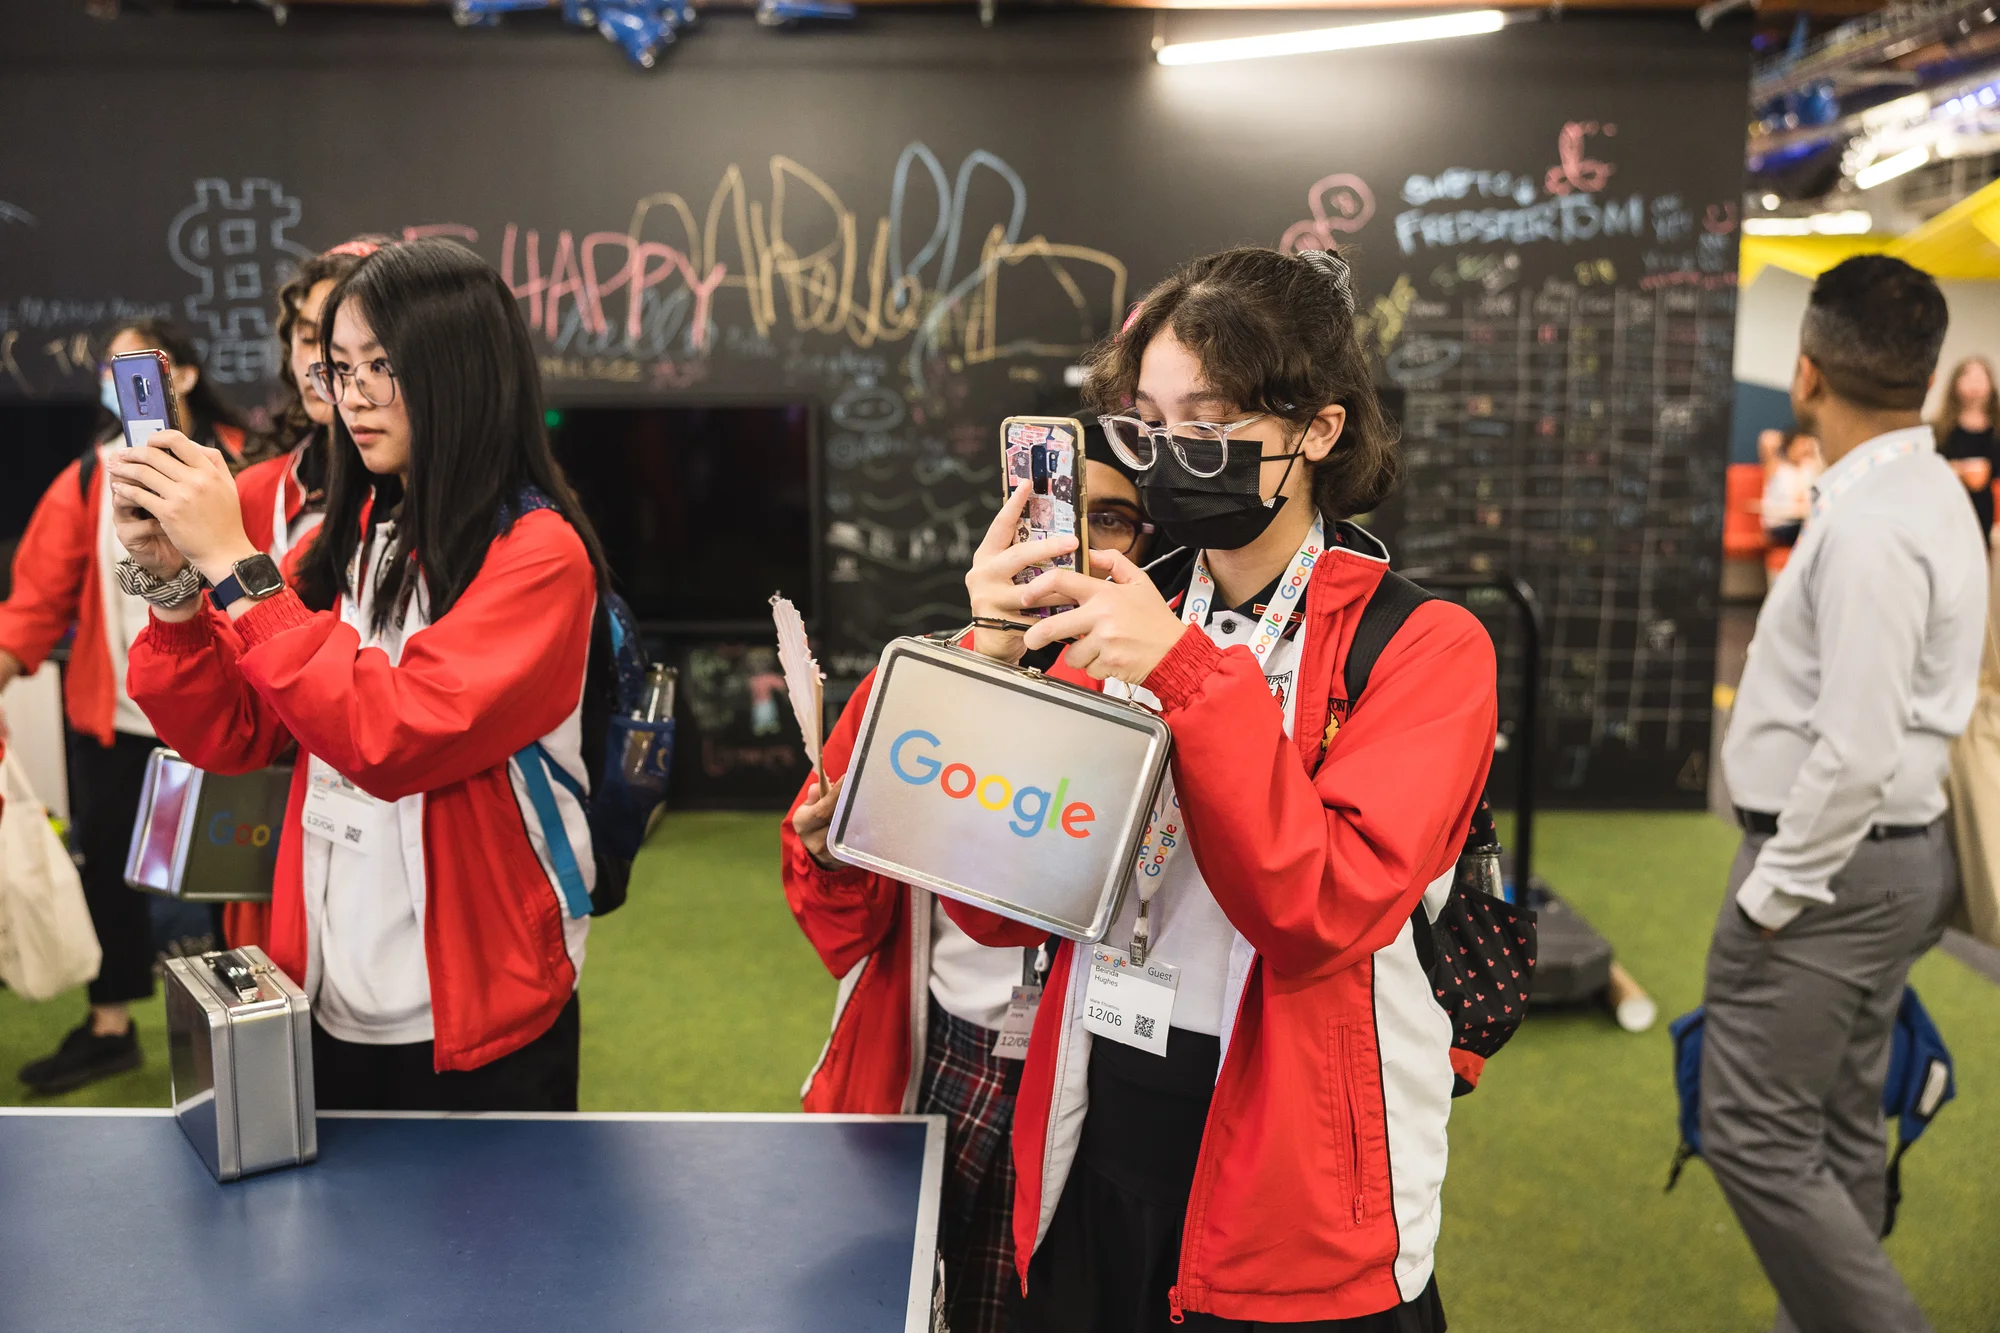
x=1794 y=1055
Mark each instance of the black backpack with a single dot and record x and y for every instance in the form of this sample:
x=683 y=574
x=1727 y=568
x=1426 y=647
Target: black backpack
x=631 y=759
x=1479 y=952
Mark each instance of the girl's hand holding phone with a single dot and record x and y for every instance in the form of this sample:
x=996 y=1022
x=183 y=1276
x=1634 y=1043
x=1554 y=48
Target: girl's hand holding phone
x=145 y=540
x=990 y=581
x=192 y=497
x=1118 y=625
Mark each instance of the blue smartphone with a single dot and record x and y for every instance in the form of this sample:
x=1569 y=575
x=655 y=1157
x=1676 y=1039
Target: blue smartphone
x=146 y=401
x=145 y=384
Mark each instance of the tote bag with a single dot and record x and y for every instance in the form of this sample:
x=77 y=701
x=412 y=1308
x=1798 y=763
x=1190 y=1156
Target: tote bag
x=1973 y=786
x=47 y=944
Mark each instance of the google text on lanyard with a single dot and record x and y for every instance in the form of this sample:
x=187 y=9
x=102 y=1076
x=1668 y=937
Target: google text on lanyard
x=1130 y=999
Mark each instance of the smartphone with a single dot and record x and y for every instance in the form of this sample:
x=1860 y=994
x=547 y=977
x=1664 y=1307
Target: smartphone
x=1047 y=453
x=146 y=401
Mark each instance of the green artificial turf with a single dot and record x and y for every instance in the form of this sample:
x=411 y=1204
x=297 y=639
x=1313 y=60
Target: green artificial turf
x=702 y=995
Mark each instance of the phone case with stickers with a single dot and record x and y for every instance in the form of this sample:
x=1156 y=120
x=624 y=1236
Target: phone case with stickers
x=1047 y=453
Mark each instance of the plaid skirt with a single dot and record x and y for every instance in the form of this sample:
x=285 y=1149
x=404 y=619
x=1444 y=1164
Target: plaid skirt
x=974 y=1091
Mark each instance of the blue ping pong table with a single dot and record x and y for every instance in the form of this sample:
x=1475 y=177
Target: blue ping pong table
x=488 y=1223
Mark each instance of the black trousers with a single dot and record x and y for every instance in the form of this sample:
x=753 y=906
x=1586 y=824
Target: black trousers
x=541 y=1076
x=104 y=787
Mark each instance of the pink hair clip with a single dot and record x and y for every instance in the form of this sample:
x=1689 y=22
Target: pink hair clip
x=359 y=249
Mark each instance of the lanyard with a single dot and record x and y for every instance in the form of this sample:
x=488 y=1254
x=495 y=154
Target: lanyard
x=1164 y=829
x=1886 y=452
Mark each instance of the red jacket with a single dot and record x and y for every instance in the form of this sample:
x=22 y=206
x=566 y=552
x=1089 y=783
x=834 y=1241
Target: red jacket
x=261 y=487
x=1337 y=1052
x=258 y=491
x=504 y=667
x=59 y=582
x=873 y=933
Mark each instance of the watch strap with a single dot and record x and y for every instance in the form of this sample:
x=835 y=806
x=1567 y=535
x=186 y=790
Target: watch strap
x=225 y=592
x=232 y=587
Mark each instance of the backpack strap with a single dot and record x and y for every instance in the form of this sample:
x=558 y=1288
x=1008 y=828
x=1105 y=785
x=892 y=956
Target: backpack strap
x=1392 y=602
x=536 y=766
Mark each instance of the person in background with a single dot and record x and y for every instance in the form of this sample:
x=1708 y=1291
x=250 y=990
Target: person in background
x=1278 y=1157
x=284 y=497
x=1965 y=434
x=65 y=574
x=1863 y=668
x=1788 y=483
x=416 y=897
x=875 y=1060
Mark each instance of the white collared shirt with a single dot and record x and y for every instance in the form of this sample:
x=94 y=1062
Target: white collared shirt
x=1863 y=668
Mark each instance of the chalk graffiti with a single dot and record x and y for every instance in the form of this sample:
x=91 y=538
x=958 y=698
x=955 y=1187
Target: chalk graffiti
x=237 y=241
x=15 y=213
x=1576 y=172
x=798 y=260
x=1340 y=203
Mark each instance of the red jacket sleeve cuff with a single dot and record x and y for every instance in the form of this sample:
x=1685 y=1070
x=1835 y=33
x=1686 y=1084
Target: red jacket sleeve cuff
x=268 y=619
x=805 y=868
x=180 y=638
x=1181 y=672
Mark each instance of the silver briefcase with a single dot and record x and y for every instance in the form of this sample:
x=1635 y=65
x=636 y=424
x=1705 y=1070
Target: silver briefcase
x=1000 y=787
x=207 y=837
x=239 y=1050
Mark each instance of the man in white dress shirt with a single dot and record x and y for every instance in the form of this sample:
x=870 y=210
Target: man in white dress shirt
x=1863 y=669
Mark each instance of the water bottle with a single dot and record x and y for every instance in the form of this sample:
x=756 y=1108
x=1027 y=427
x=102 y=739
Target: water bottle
x=657 y=703
x=1479 y=871
x=646 y=751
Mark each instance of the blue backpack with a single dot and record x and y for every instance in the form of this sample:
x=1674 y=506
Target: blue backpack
x=631 y=759
x=1920 y=1083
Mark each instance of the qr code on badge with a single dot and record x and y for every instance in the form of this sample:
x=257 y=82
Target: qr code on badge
x=1142 y=1027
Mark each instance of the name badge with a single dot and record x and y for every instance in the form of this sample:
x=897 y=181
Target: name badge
x=340 y=812
x=1019 y=1025
x=1129 y=1002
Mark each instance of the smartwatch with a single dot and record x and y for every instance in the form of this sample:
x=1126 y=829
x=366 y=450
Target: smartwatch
x=252 y=576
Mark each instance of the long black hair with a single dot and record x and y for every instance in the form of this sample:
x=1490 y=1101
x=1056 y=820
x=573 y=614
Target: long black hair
x=205 y=405
x=293 y=424
x=468 y=374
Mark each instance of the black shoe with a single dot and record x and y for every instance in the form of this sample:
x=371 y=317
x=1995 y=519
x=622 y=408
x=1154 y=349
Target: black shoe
x=83 y=1058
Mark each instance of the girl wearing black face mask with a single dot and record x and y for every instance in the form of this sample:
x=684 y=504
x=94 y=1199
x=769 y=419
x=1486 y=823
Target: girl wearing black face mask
x=1260 y=1142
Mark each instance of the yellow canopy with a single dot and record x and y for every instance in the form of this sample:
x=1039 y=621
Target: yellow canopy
x=1963 y=242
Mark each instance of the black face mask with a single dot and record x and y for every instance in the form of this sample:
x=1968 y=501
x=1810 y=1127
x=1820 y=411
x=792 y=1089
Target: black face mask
x=1219 y=513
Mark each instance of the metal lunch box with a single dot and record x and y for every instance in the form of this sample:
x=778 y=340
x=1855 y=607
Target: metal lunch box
x=239 y=1050
x=999 y=787
x=207 y=837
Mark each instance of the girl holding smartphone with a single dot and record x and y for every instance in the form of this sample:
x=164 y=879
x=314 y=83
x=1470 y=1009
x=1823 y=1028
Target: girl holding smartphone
x=65 y=574
x=934 y=1046
x=1280 y=1159
x=415 y=895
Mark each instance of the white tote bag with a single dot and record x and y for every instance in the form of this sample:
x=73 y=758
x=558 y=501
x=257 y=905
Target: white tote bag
x=47 y=944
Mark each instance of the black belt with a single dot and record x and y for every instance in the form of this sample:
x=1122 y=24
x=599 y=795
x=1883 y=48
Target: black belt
x=1756 y=821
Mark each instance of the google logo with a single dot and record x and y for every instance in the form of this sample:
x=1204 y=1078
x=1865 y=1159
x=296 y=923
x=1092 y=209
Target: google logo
x=242 y=835
x=1034 y=808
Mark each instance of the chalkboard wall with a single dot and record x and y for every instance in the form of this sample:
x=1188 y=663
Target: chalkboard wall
x=916 y=225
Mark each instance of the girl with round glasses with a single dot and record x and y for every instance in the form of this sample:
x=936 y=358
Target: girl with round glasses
x=66 y=575
x=1277 y=1160
x=415 y=895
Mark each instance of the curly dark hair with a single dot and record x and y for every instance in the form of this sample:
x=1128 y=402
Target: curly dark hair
x=1274 y=333
x=292 y=422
